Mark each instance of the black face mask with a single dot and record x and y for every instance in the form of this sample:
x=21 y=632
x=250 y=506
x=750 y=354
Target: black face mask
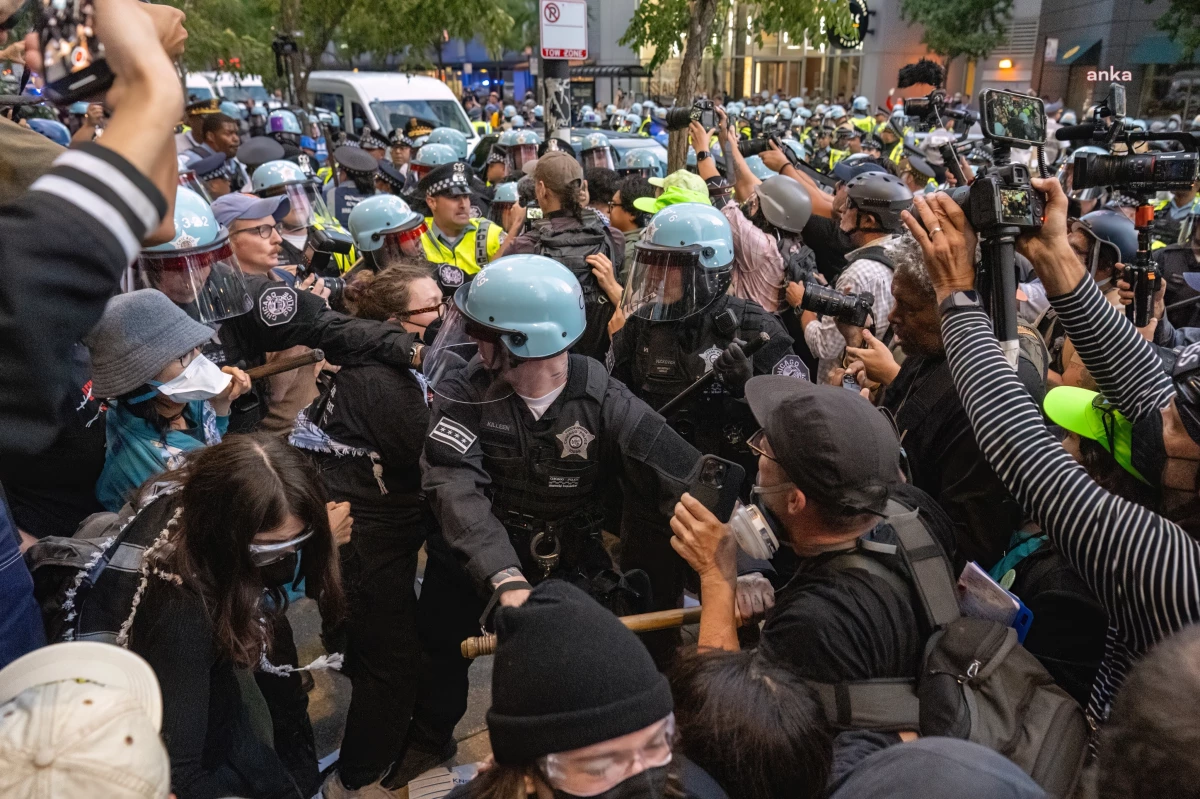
x=429 y=335
x=280 y=573
x=649 y=784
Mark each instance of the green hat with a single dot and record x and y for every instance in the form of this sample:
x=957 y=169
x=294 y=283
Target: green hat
x=1090 y=415
x=680 y=186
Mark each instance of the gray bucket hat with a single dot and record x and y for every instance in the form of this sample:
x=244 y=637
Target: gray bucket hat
x=139 y=334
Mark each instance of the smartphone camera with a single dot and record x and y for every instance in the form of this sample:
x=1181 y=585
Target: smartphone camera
x=713 y=473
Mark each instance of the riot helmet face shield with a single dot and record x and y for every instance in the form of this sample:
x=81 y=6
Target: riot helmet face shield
x=667 y=284
x=521 y=154
x=598 y=158
x=205 y=282
x=307 y=209
x=460 y=341
x=189 y=180
x=401 y=245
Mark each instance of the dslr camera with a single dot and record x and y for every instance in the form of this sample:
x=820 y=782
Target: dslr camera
x=849 y=309
x=702 y=111
x=317 y=259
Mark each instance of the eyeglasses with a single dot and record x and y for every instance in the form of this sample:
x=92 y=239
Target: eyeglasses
x=264 y=231
x=266 y=554
x=440 y=308
x=756 y=443
x=589 y=776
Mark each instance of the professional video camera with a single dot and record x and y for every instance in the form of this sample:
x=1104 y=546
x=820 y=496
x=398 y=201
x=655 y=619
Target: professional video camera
x=1141 y=175
x=928 y=112
x=1001 y=203
x=702 y=111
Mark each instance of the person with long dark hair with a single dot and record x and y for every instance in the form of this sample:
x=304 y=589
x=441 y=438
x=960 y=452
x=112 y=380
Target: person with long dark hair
x=222 y=533
x=365 y=432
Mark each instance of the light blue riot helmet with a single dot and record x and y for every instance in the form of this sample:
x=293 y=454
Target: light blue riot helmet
x=795 y=102
x=504 y=197
x=836 y=112
x=518 y=122
x=662 y=137
x=636 y=109
x=386 y=230
x=538 y=112
x=197 y=269
x=797 y=148
x=590 y=119
x=450 y=137
x=632 y=121
x=522 y=149
x=526 y=307
x=582 y=110
x=506 y=138
x=282 y=124
x=861 y=104
x=683 y=262
x=610 y=109
x=641 y=161
x=428 y=157
x=804 y=113
x=757 y=168
x=769 y=122
x=52 y=129
x=595 y=151
x=769 y=109
x=231 y=109
x=509 y=111
x=78 y=108
x=785 y=113
x=285 y=178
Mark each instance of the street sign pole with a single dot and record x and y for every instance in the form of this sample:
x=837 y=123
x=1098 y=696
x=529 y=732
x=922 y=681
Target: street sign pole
x=563 y=25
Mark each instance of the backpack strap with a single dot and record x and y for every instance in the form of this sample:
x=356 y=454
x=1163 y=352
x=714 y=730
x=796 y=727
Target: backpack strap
x=876 y=254
x=887 y=705
x=926 y=563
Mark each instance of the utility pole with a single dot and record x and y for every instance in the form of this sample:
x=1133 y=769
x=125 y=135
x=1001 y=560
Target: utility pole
x=563 y=29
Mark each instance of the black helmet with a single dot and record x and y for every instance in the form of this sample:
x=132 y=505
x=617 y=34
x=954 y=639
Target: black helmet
x=785 y=203
x=882 y=196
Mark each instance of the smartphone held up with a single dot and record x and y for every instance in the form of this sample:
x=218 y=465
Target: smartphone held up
x=72 y=58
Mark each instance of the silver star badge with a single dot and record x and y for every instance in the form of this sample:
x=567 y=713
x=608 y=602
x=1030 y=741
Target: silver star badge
x=709 y=356
x=575 y=440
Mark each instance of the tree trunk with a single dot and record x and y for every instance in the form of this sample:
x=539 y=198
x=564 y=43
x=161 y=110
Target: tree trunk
x=699 y=31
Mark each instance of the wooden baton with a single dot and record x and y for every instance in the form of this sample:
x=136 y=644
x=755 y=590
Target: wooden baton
x=640 y=623
x=285 y=364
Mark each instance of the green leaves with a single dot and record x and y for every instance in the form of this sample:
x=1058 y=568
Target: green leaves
x=1182 y=21
x=973 y=28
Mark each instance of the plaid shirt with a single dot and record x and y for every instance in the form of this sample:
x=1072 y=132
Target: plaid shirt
x=757 y=264
x=824 y=339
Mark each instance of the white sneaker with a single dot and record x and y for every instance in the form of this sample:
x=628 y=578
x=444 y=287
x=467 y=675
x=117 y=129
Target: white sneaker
x=334 y=789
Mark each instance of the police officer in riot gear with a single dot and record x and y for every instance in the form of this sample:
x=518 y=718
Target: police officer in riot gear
x=386 y=231
x=680 y=324
x=527 y=448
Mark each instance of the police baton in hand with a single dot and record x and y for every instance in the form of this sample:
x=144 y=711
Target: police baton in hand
x=706 y=379
x=285 y=364
x=640 y=623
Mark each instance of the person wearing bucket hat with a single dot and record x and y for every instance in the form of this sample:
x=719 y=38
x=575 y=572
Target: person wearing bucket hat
x=82 y=718
x=502 y=374
x=580 y=240
x=165 y=397
x=680 y=186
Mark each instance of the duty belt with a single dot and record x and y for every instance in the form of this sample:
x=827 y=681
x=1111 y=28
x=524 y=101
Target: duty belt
x=545 y=537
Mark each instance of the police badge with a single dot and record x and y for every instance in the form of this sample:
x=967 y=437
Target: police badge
x=709 y=356
x=575 y=440
x=450 y=275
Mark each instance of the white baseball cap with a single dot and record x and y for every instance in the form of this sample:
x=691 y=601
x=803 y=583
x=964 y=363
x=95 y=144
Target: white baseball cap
x=81 y=719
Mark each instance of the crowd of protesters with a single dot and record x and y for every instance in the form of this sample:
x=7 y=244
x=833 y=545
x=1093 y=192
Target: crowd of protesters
x=563 y=397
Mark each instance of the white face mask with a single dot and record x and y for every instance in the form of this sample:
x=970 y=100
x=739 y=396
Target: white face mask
x=201 y=380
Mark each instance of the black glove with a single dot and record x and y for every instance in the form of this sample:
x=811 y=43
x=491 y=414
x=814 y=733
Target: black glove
x=733 y=368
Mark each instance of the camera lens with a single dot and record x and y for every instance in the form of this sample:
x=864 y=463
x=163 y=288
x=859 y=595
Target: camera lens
x=849 y=309
x=678 y=118
x=753 y=147
x=1155 y=172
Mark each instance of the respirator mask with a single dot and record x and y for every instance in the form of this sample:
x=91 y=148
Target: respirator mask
x=754 y=527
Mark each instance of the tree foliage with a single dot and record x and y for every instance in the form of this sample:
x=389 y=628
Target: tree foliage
x=1182 y=21
x=971 y=28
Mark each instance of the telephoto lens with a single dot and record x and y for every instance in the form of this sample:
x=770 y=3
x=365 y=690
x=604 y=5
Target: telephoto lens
x=678 y=118
x=849 y=309
x=754 y=147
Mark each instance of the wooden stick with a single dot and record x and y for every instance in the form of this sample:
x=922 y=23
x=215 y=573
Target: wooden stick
x=640 y=623
x=286 y=364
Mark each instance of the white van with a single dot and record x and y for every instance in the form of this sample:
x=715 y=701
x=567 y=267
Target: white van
x=198 y=87
x=237 y=88
x=386 y=101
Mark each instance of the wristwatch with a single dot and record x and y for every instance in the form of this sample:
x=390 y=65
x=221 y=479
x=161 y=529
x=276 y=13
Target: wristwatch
x=702 y=154
x=960 y=300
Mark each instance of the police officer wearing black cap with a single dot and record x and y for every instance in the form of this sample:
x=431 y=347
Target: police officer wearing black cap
x=461 y=244
x=373 y=144
x=389 y=179
x=356 y=183
x=257 y=151
x=215 y=172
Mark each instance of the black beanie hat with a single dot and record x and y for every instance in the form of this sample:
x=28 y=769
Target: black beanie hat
x=568 y=674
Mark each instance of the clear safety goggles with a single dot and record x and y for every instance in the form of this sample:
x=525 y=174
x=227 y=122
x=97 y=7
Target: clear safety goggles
x=207 y=283
x=581 y=774
x=668 y=283
x=266 y=554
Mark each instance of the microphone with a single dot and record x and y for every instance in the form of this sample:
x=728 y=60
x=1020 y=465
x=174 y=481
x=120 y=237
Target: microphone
x=1070 y=132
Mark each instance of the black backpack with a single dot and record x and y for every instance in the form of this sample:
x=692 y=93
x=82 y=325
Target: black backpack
x=976 y=683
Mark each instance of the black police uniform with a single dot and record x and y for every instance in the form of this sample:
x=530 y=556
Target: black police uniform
x=284 y=317
x=358 y=164
x=659 y=360
x=499 y=481
x=1174 y=261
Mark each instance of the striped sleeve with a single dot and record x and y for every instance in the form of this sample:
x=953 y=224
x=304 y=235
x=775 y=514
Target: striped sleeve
x=1125 y=365
x=1144 y=569
x=107 y=188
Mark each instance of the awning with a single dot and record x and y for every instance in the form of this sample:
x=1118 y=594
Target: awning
x=594 y=71
x=1157 y=48
x=1077 y=49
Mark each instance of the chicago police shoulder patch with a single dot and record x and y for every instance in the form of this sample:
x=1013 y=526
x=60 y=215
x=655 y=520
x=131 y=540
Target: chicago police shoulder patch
x=792 y=366
x=452 y=434
x=277 y=305
x=450 y=275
